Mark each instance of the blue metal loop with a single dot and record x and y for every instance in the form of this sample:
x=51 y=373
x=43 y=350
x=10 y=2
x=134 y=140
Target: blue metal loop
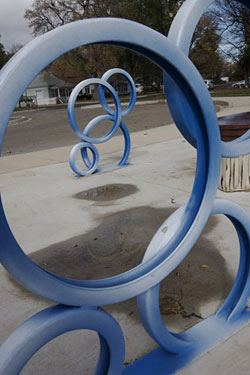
x=127 y=143
x=236 y=301
x=43 y=327
x=116 y=115
x=95 y=121
x=91 y=166
x=195 y=115
x=199 y=107
x=180 y=33
x=132 y=88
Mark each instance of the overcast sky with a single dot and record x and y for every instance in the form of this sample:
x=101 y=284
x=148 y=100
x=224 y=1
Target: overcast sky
x=13 y=27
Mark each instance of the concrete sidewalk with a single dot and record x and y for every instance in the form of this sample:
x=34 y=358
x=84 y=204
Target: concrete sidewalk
x=108 y=233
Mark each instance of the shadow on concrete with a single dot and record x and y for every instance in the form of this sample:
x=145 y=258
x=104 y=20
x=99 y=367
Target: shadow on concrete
x=118 y=244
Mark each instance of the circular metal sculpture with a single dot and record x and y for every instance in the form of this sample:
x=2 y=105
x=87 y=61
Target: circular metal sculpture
x=114 y=116
x=43 y=327
x=181 y=32
x=166 y=250
x=200 y=108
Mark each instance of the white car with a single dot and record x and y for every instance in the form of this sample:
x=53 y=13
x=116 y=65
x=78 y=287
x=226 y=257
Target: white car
x=240 y=84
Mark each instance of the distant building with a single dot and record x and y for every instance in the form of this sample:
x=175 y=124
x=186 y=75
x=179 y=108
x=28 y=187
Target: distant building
x=121 y=86
x=48 y=89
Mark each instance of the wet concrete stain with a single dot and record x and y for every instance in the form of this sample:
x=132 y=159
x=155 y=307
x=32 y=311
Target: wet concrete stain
x=107 y=192
x=118 y=244
x=169 y=306
x=201 y=277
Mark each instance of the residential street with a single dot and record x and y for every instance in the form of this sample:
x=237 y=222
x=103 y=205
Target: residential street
x=33 y=130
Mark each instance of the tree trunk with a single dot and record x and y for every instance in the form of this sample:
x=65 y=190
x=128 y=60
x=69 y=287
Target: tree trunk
x=246 y=74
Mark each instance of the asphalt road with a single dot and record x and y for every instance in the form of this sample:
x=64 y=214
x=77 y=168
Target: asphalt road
x=41 y=129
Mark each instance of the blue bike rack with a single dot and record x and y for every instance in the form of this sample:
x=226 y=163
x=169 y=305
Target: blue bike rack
x=115 y=116
x=80 y=300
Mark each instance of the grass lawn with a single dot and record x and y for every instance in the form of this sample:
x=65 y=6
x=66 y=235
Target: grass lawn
x=230 y=92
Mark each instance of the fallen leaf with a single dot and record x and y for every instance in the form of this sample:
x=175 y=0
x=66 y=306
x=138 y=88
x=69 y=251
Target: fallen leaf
x=204 y=266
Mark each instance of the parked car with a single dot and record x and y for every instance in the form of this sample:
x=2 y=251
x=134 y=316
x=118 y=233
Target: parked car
x=84 y=95
x=27 y=101
x=240 y=84
x=209 y=83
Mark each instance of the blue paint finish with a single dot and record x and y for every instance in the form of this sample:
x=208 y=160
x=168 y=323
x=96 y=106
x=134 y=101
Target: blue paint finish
x=132 y=88
x=193 y=111
x=92 y=167
x=199 y=105
x=43 y=327
x=235 y=303
x=180 y=33
x=116 y=116
x=113 y=115
x=205 y=334
x=127 y=146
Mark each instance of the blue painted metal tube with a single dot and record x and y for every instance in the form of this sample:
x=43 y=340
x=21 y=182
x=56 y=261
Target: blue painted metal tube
x=195 y=116
x=43 y=327
x=235 y=304
x=116 y=116
x=130 y=81
x=127 y=144
x=82 y=146
x=180 y=33
x=148 y=308
x=199 y=106
x=112 y=115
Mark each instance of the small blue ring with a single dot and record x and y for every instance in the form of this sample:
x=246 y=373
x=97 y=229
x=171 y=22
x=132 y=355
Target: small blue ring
x=91 y=166
x=71 y=110
x=132 y=88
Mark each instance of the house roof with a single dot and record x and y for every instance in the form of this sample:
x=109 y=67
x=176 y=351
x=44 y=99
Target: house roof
x=44 y=79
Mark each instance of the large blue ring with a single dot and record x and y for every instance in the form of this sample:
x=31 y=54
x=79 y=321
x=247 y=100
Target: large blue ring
x=181 y=32
x=236 y=301
x=43 y=327
x=15 y=77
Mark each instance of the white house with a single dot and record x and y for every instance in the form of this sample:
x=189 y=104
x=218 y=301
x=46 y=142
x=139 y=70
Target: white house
x=48 y=89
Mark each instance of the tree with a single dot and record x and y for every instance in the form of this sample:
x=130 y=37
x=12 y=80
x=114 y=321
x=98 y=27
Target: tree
x=81 y=62
x=204 y=50
x=3 y=55
x=13 y=50
x=158 y=15
x=45 y=15
x=233 y=20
